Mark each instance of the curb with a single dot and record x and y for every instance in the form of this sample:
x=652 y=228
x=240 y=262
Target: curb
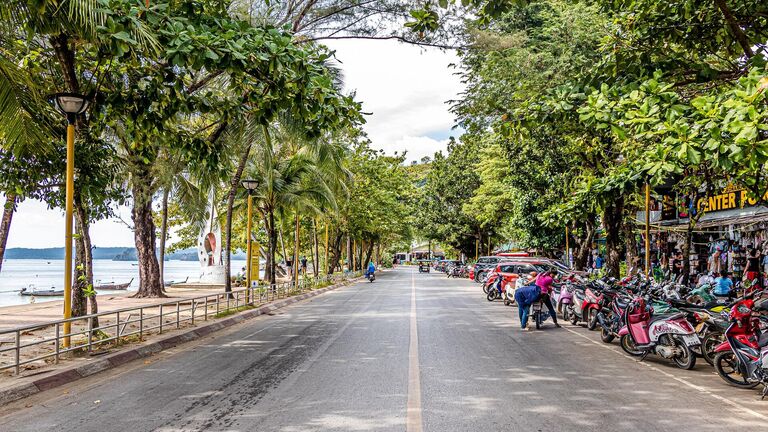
x=66 y=376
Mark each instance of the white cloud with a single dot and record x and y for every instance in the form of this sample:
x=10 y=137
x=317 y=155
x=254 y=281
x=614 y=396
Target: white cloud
x=406 y=89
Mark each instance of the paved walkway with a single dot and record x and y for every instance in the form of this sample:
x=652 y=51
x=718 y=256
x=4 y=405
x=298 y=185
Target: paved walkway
x=409 y=352
x=30 y=314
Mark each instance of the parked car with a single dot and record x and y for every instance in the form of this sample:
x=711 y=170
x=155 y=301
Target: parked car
x=483 y=266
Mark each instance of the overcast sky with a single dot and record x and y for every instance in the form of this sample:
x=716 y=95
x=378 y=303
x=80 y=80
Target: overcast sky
x=404 y=87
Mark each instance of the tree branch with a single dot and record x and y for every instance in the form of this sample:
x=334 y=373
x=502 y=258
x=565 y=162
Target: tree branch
x=738 y=34
x=398 y=38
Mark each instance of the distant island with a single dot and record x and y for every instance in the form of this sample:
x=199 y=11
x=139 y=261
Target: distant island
x=105 y=253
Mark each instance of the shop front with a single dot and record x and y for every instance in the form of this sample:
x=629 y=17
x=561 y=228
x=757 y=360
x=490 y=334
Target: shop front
x=728 y=227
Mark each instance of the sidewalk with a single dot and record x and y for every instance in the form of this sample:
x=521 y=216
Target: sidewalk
x=30 y=314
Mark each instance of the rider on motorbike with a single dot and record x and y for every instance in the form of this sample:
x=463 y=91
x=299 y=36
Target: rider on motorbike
x=544 y=282
x=371 y=269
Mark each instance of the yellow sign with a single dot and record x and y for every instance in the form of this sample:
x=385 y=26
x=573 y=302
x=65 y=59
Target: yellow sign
x=731 y=198
x=255 y=257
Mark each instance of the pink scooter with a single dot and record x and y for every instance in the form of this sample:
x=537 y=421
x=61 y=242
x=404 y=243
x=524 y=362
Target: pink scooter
x=667 y=335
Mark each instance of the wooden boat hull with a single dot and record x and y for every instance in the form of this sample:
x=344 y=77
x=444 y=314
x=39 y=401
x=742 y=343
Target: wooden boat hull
x=114 y=287
x=43 y=293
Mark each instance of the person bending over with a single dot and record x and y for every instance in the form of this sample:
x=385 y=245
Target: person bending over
x=544 y=282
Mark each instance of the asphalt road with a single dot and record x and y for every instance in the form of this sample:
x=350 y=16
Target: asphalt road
x=408 y=352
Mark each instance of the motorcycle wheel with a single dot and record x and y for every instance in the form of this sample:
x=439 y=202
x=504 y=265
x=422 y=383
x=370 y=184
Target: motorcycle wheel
x=485 y=288
x=708 y=345
x=606 y=336
x=566 y=317
x=537 y=318
x=726 y=367
x=479 y=276
x=592 y=319
x=628 y=345
x=506 y=302
x=688 y=360
x=574 y=318
x=491 y=296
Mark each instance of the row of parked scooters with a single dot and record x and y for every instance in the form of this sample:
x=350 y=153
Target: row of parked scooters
x=667 y=320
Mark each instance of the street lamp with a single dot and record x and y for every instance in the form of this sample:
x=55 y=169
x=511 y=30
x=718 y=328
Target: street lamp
x=72 y=105
x=250 y=186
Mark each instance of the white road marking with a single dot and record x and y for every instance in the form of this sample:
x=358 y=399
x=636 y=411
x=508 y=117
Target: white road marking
x=735 y=405
x=413 y=421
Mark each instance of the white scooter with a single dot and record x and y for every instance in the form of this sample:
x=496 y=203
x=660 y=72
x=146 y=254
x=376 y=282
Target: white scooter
x=509 y=294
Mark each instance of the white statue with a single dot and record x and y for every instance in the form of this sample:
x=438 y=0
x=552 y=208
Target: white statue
x=209 y=249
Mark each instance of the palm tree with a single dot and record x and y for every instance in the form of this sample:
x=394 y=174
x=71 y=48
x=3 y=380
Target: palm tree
x=290 y=181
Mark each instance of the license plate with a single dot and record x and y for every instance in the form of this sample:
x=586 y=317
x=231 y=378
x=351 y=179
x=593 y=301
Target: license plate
x=691 y=340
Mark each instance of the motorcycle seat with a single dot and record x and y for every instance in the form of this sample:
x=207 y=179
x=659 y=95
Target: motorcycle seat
x=665 y=316
x=762 y=342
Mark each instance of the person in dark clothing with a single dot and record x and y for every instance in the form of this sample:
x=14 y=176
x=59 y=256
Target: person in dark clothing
x=304 y=265
x=752 y=272
x=525 y=297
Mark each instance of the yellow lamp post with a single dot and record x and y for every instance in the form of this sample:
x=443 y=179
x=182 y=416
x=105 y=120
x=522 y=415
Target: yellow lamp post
x=567 y=249
x=250 y=186
x=72 y=105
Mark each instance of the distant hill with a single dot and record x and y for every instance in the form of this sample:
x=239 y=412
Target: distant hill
x=110 y=253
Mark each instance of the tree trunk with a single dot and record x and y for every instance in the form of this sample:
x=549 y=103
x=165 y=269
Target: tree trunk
x=630 y=244
x=335 y=251
x=368 y=255
x=613 y=216
x=5 y=224
x=584 y=245
x=80 y=283
x=233 y=185
x=296 y=246
x=163 y=235
x=282 y=244
x=144 y=236
x=686 y=250
x=85 y=234
x=316 y=250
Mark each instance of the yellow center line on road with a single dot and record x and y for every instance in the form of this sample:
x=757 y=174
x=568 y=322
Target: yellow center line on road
x=413 y=417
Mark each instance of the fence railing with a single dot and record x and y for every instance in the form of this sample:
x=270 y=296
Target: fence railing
x=45 y=341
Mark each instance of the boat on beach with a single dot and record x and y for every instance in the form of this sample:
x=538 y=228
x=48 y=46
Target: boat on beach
x=32 y=290
x=169 y=283
x=113 y=286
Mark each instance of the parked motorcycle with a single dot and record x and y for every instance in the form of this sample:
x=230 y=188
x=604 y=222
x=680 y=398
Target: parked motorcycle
x=495 y=289
x=610 y=317
x=509 y=295
x=539 y=313
x=741 y=358
x=668 y=336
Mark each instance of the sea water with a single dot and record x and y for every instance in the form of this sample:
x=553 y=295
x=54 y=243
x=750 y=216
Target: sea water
x=44 y=274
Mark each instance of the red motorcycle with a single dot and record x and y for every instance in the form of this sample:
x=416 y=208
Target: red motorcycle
x=590 y=308
x=738 y=360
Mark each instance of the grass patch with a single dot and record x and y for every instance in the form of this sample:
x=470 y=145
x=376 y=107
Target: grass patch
x=233 y=311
